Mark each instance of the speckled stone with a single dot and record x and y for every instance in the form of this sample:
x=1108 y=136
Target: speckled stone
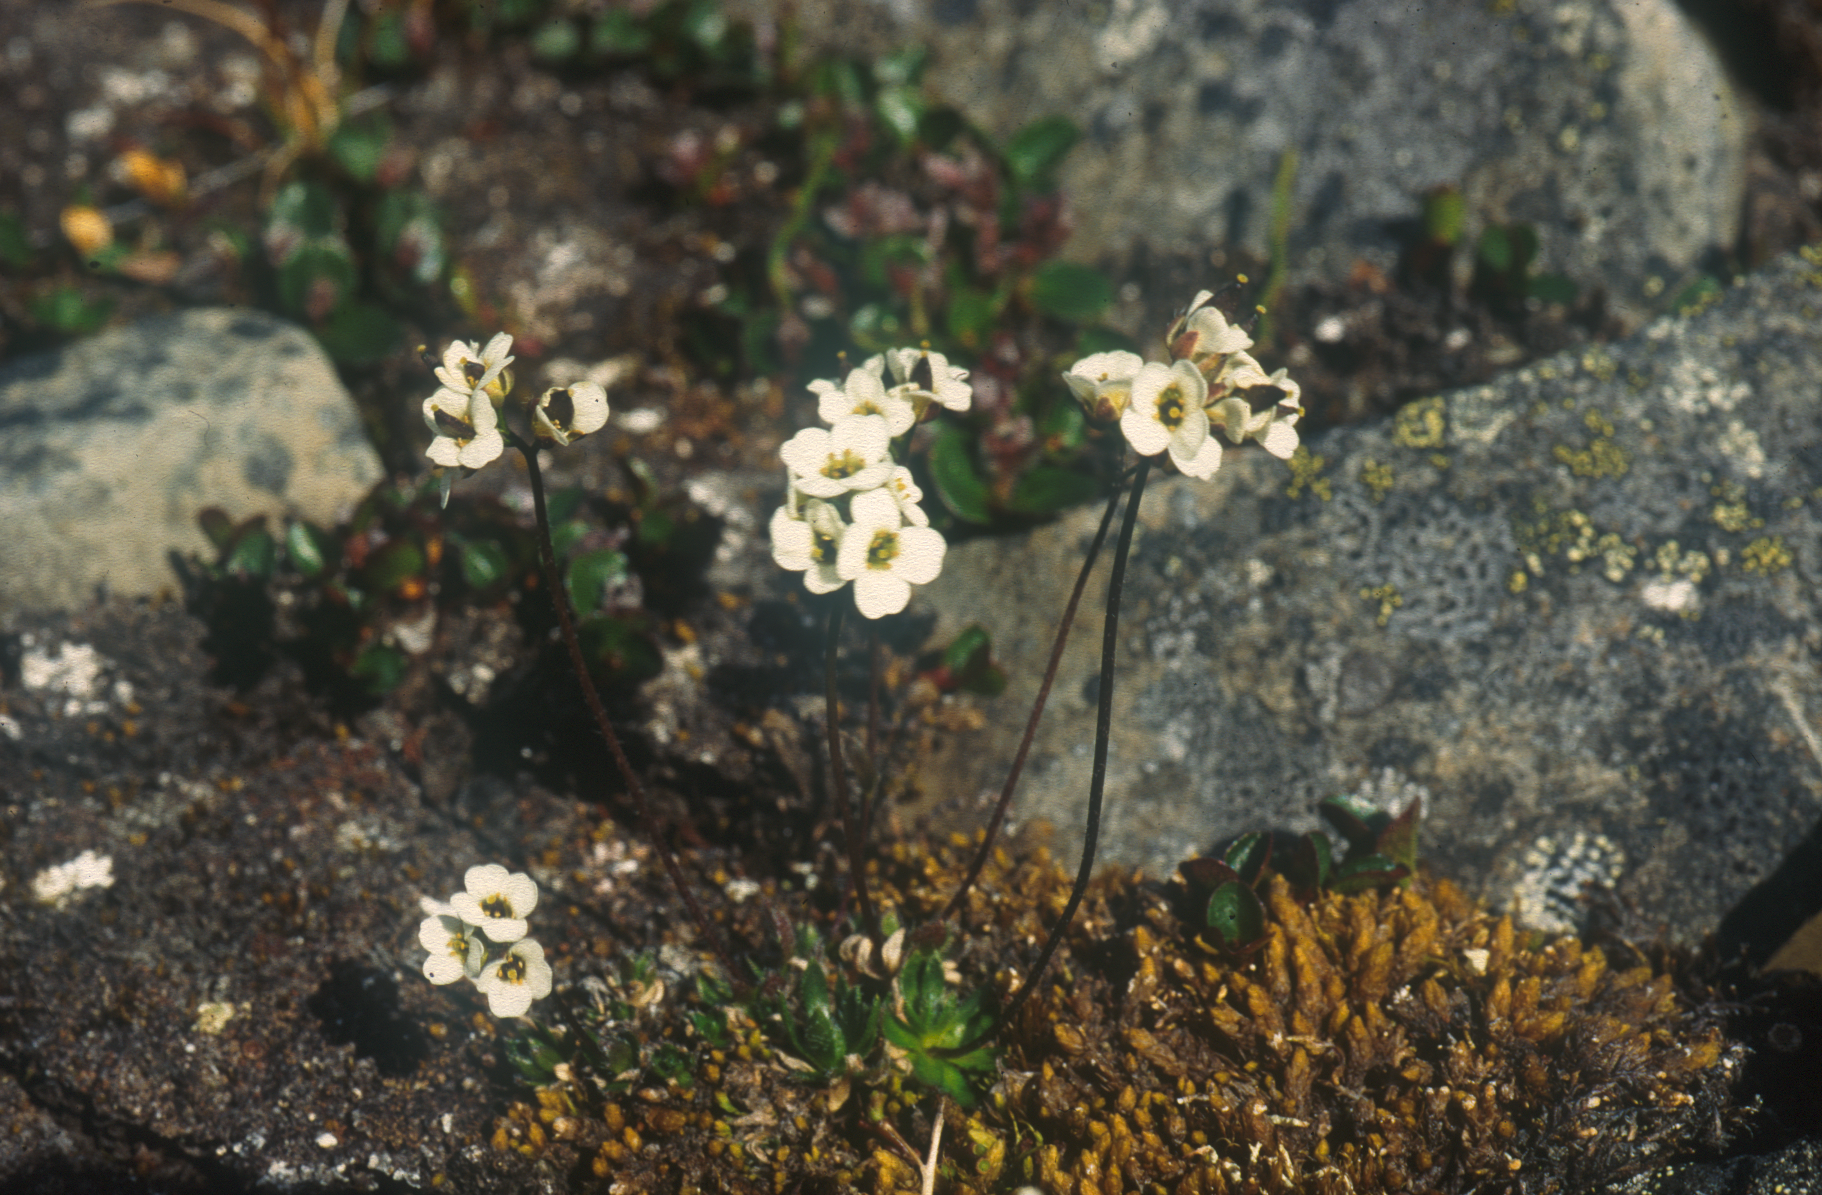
x=1575 y=609
x=113 y=444
x=1610 y=126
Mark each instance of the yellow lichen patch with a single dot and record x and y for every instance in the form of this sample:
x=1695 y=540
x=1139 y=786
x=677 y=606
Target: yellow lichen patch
x=1306 y=473
x=1602 y=457
x=1421 y=424
x=1766 y=555
x=1387 y=596
x=1377 y=478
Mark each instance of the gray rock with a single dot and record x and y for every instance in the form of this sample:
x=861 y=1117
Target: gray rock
x=115 y=443
x=1610 y=126
x=1574 y=608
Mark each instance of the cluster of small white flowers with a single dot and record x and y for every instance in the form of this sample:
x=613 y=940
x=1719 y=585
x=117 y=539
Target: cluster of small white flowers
x=464 y=413
x=881 y=540
x=1211 y=383
x=463 y=935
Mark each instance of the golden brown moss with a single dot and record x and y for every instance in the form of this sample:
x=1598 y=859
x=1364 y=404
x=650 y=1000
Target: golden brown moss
x=1379 y=1042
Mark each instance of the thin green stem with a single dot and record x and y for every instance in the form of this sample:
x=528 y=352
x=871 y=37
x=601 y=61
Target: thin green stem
x=1037 y=712
x=559 y=600
x=838 y=774
x=1097 y=784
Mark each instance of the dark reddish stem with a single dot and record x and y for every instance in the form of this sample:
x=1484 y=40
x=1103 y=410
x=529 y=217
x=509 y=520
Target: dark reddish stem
x=838 y=773
x=1037 y=712
x=559 y=600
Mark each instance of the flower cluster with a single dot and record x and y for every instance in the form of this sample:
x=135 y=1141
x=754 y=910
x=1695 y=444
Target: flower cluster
x=479 y=935
x=465 y=412
x=1211 y=383
x=851 y=512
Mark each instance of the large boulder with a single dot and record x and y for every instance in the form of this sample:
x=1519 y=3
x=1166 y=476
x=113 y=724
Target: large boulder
x=115 y=443
x=1574 y=609
x=1608 y=125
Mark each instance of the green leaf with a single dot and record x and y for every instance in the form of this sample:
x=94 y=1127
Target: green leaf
x=1066 y=290
x=590 y=574
x=962 y=651
x=483 y=562
x=387 y=45
x=952 y=471
x=409 y=232
x=359 y=333
x=1357 y=821
x=1235 y=915
x=1444 y=212
x=1367 y=871
x=15 y=245
x=620 y=648
x=1495 y=249
x=216 y=524
x=380 y=668
x=254 y=553
x=309 y=208
x=1555 y=288
x=309 y=271
x=1046 y=489
x=939 y=126
x=619 y=33
x=1063 y=427
x=1249 y=855
x=705 y=24
x=360 y=145
x=1038 y=148
x=900 y=109
x=310 y=549
x=1398 y=840
x=66 y=310
x=971 y=314
x=562 y=504
x=1312 y=859
x=390 y=567
x=902 y=67
x=555 y=40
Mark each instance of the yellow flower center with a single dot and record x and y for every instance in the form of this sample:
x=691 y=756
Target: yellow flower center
x=458 y=945
x=883 y=549
x=512 y=969
x=845 y=464
x=497 y=906
x=822 y=548
x=1170 y=407
x=459 y=430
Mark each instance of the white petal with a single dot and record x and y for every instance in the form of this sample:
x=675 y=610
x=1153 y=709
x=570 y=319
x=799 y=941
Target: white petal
x=792 y=540
x=920 y=555
x=481 y=450
x=521 y=892
x=1203 y=464
x=445 y=452
x=1118 y=365
x=864 y=435
x=1281 y=439
x=878 y=593
x=851 y=557
x=805 y=453
x=874 y=508
x=1143 y=431
x=590 y=401
x=443 y=968
x=508 y=1000
x=505 y=929
x=823 y=579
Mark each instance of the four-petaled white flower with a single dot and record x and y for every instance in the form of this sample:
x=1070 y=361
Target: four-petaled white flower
x=1102 y=382
x=849 y=456
x=904 y=490
x=467 y=428
x=1203 y=332
x=863 y=394
x=467 y=367
x=923 y=377
x=1246 y=402
x=808 y=543
x=567 y=413
x=496 y=900
x=884 y=557
x=514 y=980
x=455 y=948
x=1166 y=412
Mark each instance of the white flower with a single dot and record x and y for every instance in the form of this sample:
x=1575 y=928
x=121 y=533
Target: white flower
x=1256 y=405
x=57 y=886
x=906 y=493
x=1166 y=412
x=497 y=900
x=568 y=413
x=1102 y=382
x=467 y=428
x=455 y=948
x=514 y=980
x=467 y=367
x=1203 y=332
x=863 y=394
x=849 y=456
x=883 y=557
x=924 y=377
x=809 y=544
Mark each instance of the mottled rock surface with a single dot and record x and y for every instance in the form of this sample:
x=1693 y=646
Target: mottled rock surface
x=113 y=444
x=1610 y=126
x=1575 y=609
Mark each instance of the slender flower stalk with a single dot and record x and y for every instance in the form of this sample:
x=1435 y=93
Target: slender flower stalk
x=838 y=772
x=1097 y=784
x=1037 y=713
x=547 y=556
